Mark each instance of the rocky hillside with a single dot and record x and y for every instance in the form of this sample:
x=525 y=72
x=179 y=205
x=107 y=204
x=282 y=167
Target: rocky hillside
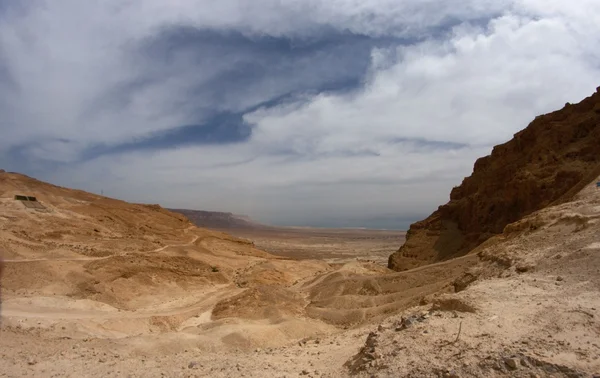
x=547 y=162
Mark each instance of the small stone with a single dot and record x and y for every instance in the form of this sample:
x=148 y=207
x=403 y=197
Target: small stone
x=102 y=360
x=522 y=268
x=31 y=362
x=192 y=364
x=304 y=372
x=559 y=278
x=450 y=374
x=511 y=363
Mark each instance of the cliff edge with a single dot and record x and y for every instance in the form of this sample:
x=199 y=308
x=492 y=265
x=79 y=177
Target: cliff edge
x=546 y=163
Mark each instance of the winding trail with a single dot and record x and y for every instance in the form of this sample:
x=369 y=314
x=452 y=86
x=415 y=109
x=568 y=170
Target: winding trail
x=205 y=302
x=58 y=259
x=100 y=258
x=176 y=245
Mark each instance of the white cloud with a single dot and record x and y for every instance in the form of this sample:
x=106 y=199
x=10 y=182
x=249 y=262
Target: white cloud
x=476 y=87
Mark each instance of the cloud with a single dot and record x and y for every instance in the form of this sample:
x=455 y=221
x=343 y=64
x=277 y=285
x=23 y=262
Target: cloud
x=478 y=86
x=296 y=112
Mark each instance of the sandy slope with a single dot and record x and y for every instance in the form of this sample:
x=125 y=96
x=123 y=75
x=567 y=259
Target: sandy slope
x=526 y=303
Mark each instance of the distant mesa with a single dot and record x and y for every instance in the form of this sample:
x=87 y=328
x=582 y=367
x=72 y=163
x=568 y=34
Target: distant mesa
x=219 y=220
x=546 y=163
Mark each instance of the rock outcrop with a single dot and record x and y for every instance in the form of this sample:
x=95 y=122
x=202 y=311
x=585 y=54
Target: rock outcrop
x=546 y=163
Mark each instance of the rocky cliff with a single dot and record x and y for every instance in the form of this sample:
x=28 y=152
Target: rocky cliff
x=547 y=162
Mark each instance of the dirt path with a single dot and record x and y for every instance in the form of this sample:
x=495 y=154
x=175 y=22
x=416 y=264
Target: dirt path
x=176 y=245
x=28 y=309
x=57 y=259
x=98 y=258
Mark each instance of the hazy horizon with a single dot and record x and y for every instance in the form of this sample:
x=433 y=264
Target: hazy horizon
x=304 y=112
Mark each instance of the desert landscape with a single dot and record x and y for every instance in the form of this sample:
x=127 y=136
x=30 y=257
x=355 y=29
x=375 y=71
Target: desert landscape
x=328 y=244
x=504 y=280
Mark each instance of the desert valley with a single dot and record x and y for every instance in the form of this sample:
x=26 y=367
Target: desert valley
x=504 y=280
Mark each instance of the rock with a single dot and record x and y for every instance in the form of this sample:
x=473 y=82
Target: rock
x=31 y=362
x=450 y=374
x=366 y=357
x=102 y=360
x=304 y=372
x=559 y=278
x=192 y=364
x=550 y=160
x=406 y=322
x=512 y=363
x=522 y=268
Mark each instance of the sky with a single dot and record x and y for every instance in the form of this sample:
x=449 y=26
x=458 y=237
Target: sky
x=328 y=113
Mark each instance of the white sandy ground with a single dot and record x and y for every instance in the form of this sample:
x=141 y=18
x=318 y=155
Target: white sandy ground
x=533 y=312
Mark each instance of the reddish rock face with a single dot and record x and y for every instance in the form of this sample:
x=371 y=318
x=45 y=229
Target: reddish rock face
x=547 y=162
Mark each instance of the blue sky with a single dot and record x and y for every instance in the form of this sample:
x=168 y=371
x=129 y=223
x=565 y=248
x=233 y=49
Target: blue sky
x=326 y=113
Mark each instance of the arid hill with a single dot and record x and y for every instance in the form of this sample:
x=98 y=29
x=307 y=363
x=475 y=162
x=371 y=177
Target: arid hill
x=546 y=163
x=89 y=247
